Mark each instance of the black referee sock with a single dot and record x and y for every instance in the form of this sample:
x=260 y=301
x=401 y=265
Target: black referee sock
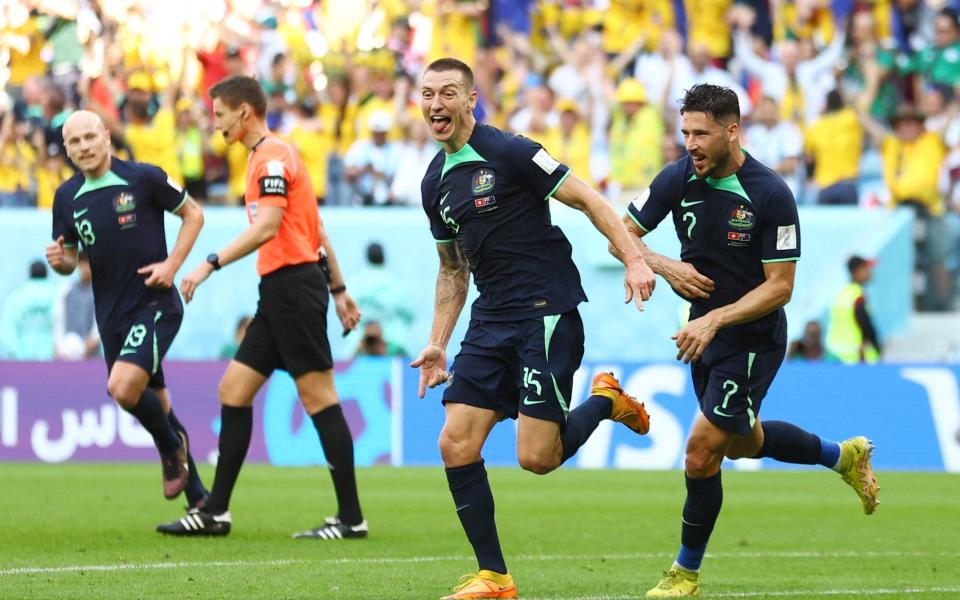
x=474 y=502
x=788 y=443
x=700 y=512
x=194 y=490
x=337 y=446
x=236 y=427
x=149 y=411
x=582 y=421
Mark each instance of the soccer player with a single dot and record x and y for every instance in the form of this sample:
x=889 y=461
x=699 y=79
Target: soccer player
x=740 y=240
x=114 y=208
x=289 y=329
x=485 y=195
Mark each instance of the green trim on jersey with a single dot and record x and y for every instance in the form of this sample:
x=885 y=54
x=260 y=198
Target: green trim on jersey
x=182 y=202
x=752 y=415
x=774 y=260
x=549 y=325
x=730 y=184
x=464 y=155
x=156 y=351
x=563 y=402
x=559 y=183
x=640 y=225
x=108 y=179
x=450 y=241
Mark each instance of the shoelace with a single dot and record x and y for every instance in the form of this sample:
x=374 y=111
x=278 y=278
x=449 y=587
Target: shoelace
x=465 y=580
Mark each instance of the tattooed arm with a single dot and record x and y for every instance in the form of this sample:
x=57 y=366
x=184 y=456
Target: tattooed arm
x=452 y=282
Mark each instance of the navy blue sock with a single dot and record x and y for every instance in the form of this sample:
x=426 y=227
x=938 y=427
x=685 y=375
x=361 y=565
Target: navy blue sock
x=474 y=501
x=788 y=443
x=582 y=421
x=700 y=511
x=149 y=411
x=236 y=427
x=829 y=454
x=194 y=490
x=337 y=445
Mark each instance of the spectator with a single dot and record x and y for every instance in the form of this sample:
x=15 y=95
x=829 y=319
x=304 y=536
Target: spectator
x=374 y=344
x=810 y=346
x=371 y=164
x=75 y=334
x=17 y=159
x=415 y=157
x=152 y=137
x=230 y=348
x=26 y=320
x=315 y=143
x=939 y=64
x=851 y=335
x=834 y=143
x=798 y=86
x=868 y=77
x=569 y=141
x=384 y=298
x=636 y=151
x=702 y=71
x=777 y=144
x=338 y=114
x=190 y=150
x=52 y=170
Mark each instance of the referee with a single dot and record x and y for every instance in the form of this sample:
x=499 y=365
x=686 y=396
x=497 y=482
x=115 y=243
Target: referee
x=288 y=330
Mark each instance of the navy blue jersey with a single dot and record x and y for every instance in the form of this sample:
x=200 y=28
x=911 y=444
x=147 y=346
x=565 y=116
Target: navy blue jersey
x=491 y=197
x=727 y=228
x=118 y=219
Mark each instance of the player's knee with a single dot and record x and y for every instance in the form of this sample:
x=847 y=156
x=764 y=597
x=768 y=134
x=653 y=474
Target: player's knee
x=538 y=464
x=701 y=463
x=456 y=451
x=123 y=392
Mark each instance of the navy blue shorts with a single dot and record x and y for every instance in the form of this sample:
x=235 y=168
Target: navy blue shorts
x=519 y=366
x=731 y=383
x=144 y=341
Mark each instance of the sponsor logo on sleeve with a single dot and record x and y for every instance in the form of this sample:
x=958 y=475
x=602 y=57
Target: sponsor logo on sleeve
x=787 y=237
x=174 y=185
x=640 y=199
x=273 y=185
x=546 y=162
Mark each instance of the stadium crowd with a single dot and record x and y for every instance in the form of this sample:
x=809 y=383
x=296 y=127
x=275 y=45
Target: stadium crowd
x=852 y=102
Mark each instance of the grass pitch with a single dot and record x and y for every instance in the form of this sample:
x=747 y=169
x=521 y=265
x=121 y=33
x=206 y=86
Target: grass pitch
x=86 y=531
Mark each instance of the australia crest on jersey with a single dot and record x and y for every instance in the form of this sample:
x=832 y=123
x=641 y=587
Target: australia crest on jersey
x=124 y=203
x=741 y=218
x=483 y=181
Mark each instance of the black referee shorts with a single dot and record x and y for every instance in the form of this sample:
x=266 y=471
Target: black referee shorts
x=289 y=330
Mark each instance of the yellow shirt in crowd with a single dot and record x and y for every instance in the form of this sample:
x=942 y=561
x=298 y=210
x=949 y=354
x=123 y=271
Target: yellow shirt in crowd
x=17 y=160
x=236 y=155
x=314 y=148
x=156 y=143
x=911 y=170
x=573 y=151
x=835 y=141
x=626 y=20
x=636 y=147
x=707 y=24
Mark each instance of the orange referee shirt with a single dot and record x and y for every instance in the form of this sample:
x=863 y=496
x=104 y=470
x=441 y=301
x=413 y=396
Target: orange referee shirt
x=276 y=176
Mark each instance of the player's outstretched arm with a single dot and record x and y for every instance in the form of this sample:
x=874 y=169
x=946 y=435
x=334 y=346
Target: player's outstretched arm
x=61 y=259
x=162 y=274
x=260 y=232
x=682 y=276
x=767 y=297
x=452 y=282
x=639 y=279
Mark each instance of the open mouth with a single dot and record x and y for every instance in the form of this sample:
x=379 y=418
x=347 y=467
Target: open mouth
x=439 y=123
x=699 y=162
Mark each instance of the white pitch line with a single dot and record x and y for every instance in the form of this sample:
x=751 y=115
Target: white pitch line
x=10 y=571
x=780 y=594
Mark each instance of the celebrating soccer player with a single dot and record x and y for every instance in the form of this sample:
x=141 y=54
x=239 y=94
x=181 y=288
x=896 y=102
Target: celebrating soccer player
x=740 y=240
x=486 y=195
x=114 y=208
x=289 y=329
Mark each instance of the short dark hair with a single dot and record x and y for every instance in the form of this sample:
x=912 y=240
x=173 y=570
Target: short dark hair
x=38 y=270
x=375 y=254
x=452 y=64
x=719 y=102
x=950 y=14
x=834 y=101
x=237 y=89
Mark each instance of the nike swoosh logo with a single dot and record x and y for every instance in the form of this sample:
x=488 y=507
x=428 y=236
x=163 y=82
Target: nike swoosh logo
x=684 y=203
x=686 y=522
x=717 y=411
x=444 y=199
x=528 y=402
x=79 y=213
x=127 y=351
x=459 y=508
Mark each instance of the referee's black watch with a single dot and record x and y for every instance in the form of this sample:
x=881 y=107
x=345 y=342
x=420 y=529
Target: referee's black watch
x=214 y=261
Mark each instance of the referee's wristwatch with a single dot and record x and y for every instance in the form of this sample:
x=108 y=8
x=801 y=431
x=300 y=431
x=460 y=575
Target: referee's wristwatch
x=214 y=261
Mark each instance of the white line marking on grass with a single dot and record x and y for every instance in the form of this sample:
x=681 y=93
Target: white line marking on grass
x=12 y=571
x=781 y=594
